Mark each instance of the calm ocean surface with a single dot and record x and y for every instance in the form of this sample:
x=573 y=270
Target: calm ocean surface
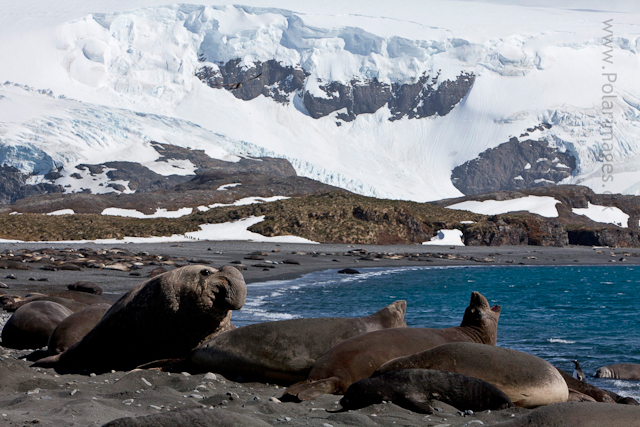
x=557 y=313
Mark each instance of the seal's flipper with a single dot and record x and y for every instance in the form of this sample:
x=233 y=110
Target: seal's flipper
x=167 y=365
x=413 y=403
x=310 y=390
x=47 y=362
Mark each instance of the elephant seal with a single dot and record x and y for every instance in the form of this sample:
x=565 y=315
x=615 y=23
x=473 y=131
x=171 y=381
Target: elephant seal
x=413 y=389
x=528 y=380
x=69 y=303
x=360 y=356
x=619 y=371
x=85 y=286
x=283 y=352
x=578 y=414
x=76 y=326
x=577 y=372
x=73 y=300
x=32 y=324
x=164 y=317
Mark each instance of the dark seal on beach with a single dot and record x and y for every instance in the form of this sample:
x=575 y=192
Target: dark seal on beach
x=359 y=357
x=73 y=328
x=164 y=317
x=32 y=324
x=620 y=371
x=85 y=286
x=528 y=380
x=283 y=352
x=414 y=389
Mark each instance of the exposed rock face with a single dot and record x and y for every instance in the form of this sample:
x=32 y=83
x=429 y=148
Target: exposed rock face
x=13 y=186
x=424 y=98
x=276 y=81
x=260 y=177
x=513 y=165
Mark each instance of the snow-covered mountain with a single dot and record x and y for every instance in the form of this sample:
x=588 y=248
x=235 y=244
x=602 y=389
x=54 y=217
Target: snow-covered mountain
x=384 y=99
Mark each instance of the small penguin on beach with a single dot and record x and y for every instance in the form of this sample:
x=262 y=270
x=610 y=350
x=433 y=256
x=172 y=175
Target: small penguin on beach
x=577 y=372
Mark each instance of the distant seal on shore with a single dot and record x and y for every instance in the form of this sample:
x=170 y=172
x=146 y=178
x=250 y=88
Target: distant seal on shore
x=619 y=371
x=164 y=317
x=578 y=414
x=73 y=300
x=360 y=356
x=74 y=327
x=413 y=389
x=85 y=286
x=528 y=380
x=32 y=324
x=283 y=352
x=598 y=394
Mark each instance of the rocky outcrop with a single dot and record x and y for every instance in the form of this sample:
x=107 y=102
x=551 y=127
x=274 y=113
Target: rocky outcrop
x=275 y=80
x=514 y=165
x=13 y=186
x=426 y=97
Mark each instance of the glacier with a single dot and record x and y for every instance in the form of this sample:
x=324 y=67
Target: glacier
x=123 y=75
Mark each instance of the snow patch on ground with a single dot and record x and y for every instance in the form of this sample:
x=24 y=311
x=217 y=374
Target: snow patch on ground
x=62 y=212
x=604 y=214
x=226 y=186
x=447 y=237
x=243 y=202
x=159 y=213
x=541 y=205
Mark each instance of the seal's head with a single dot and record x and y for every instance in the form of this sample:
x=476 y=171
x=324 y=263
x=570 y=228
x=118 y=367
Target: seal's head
x=205 y=288
x=482 y=317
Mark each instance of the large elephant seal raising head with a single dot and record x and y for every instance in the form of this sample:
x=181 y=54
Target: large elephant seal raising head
x=360 y=356
x=162 y=318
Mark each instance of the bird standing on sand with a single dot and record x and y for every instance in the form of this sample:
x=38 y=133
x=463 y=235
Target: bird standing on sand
x=237 y=85
x=577 y=372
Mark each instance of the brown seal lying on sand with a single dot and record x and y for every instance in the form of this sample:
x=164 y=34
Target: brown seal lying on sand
x=578 y=414
x=359 y=357
x=73 y=300
x=528 y=380
x=32 y=324
x=619 y=371
x=413 y=389
x=73 y=328
x=283 y=352
x=164 y=317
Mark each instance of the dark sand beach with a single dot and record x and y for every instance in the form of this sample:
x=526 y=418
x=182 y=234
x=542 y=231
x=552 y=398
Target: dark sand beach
x=38 y=396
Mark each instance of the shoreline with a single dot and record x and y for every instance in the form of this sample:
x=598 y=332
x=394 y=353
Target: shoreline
x=41 y=396
x=312 y=258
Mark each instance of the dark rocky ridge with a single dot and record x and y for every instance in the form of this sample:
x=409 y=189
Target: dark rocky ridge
x=513 y=166
x=13 y=186
x=276 y=81
x=415 y=100
x=259 y=177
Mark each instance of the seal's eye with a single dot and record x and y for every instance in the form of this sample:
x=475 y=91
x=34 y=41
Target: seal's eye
x=205 y=272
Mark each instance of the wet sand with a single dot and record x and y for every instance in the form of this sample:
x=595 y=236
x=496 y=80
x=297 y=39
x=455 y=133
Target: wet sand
x=34 y=396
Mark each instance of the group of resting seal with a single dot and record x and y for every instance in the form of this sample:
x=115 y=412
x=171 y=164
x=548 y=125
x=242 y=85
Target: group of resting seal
x=180 y=321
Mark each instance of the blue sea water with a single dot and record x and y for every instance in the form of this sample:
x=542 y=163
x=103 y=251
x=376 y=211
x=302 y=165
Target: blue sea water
x=557 y=313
